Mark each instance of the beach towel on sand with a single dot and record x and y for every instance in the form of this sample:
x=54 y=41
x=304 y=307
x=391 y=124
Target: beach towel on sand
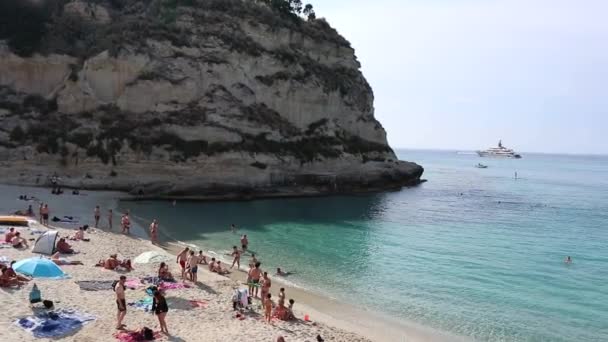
x=132 y=336
x=143 y=304
x=54 y=324
x=155 y=280
x=95 y=285
x=104 y=285
x=172 y=286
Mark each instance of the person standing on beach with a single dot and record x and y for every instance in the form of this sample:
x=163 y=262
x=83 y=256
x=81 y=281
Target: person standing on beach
x=45 y=215
x=192 y=265
x=110 y=218
x=181 y=260
x=266 y=283
x=121 y=302
x=267 y=307
x=97 y=215
x=126 y=223
x=154 y=231
x=160 y=309
x=254 y=279
x=40 y=212
x=237 y=257
x=233 y=228
x=244 y=242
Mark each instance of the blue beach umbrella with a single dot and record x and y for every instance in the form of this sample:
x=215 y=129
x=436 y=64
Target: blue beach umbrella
x=39 y=268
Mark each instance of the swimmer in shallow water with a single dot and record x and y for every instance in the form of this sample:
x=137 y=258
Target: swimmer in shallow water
x=282 y=273
x=568 y=260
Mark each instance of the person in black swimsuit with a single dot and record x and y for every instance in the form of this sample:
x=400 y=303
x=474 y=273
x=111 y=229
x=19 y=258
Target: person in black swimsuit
x=160 y=309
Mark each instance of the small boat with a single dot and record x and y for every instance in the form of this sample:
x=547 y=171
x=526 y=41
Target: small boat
x=481 y=166
x=500 y=151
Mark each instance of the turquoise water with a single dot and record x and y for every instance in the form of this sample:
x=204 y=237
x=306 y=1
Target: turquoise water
x=472 y=251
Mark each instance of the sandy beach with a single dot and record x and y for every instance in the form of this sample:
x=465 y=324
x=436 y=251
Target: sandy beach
x=215 y=321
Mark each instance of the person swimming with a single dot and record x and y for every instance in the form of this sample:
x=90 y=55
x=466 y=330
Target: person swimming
x=282 y=273
x=568 y=260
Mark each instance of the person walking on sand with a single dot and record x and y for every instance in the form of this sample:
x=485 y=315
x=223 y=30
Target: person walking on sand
x=237 y=258
x=181 y=260
x=97 y=215
x=160 y=309
x=244 y=242
x=121 y=302
x=154 y=231
x=192 y=265
x=110 y=218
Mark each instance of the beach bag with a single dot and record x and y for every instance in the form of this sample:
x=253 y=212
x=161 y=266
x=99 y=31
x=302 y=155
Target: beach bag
x=35 y=296
x=148 y=334
x=48 y=304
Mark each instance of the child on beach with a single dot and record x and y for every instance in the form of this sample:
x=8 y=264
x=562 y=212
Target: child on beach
x=202 y=259
x=268 y=308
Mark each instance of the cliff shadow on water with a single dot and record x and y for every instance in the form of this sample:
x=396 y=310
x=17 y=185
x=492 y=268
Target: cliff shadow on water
x=190 y=220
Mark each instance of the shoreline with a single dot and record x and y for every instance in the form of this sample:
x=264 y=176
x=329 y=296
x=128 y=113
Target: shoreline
x=321 y=308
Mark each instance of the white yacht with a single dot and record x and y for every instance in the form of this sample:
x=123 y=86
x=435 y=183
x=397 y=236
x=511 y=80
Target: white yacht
x=499 y=151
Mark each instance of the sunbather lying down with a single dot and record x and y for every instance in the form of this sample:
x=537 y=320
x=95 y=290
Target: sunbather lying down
x=8 y=278
x=63 y=261
x=113 y=263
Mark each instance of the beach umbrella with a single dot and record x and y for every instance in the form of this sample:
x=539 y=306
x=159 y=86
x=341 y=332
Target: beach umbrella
x=38 y=268
x=151 y=257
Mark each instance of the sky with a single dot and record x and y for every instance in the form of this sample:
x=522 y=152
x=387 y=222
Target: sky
x=462 y=74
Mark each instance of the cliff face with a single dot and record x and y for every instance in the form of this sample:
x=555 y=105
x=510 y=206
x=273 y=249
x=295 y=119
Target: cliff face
x=188 y=98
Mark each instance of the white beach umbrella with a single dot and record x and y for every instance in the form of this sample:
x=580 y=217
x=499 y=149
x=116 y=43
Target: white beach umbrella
x=151 y=257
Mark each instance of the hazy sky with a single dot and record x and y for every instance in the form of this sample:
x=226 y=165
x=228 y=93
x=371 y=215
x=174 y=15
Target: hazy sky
x=461 y=74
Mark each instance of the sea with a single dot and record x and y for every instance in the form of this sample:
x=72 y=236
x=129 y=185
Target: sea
x=473 y=252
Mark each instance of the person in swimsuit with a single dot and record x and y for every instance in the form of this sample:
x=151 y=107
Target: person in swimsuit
x=237 y=257
x=212 y=265
x=192 y=265
x=154 y=231
x=266 y=283
x=202 y=259
x=568 y=260
x=268 y=308
x=40 y=209
x=181 y=260
x=126 y=223
x=10 y=272
x=62 y=261
x=244 y=242
x=163 y=272
x=18 y=241
x=45 y=215
x=121 y=302
x=160 y=309
x=96 y=215
x=110 y=218
x=253 y=260
x=8 y=238
x=254 y=276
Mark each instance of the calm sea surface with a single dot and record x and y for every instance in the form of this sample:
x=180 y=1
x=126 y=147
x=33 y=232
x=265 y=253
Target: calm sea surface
x=472 y=251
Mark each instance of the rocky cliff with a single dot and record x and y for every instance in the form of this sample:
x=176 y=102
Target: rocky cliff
x=196 y=98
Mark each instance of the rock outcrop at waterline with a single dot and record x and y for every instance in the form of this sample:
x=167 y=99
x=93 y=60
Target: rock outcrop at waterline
x=187 y=98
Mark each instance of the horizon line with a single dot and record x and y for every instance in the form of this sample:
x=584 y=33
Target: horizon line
x=603 y=154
